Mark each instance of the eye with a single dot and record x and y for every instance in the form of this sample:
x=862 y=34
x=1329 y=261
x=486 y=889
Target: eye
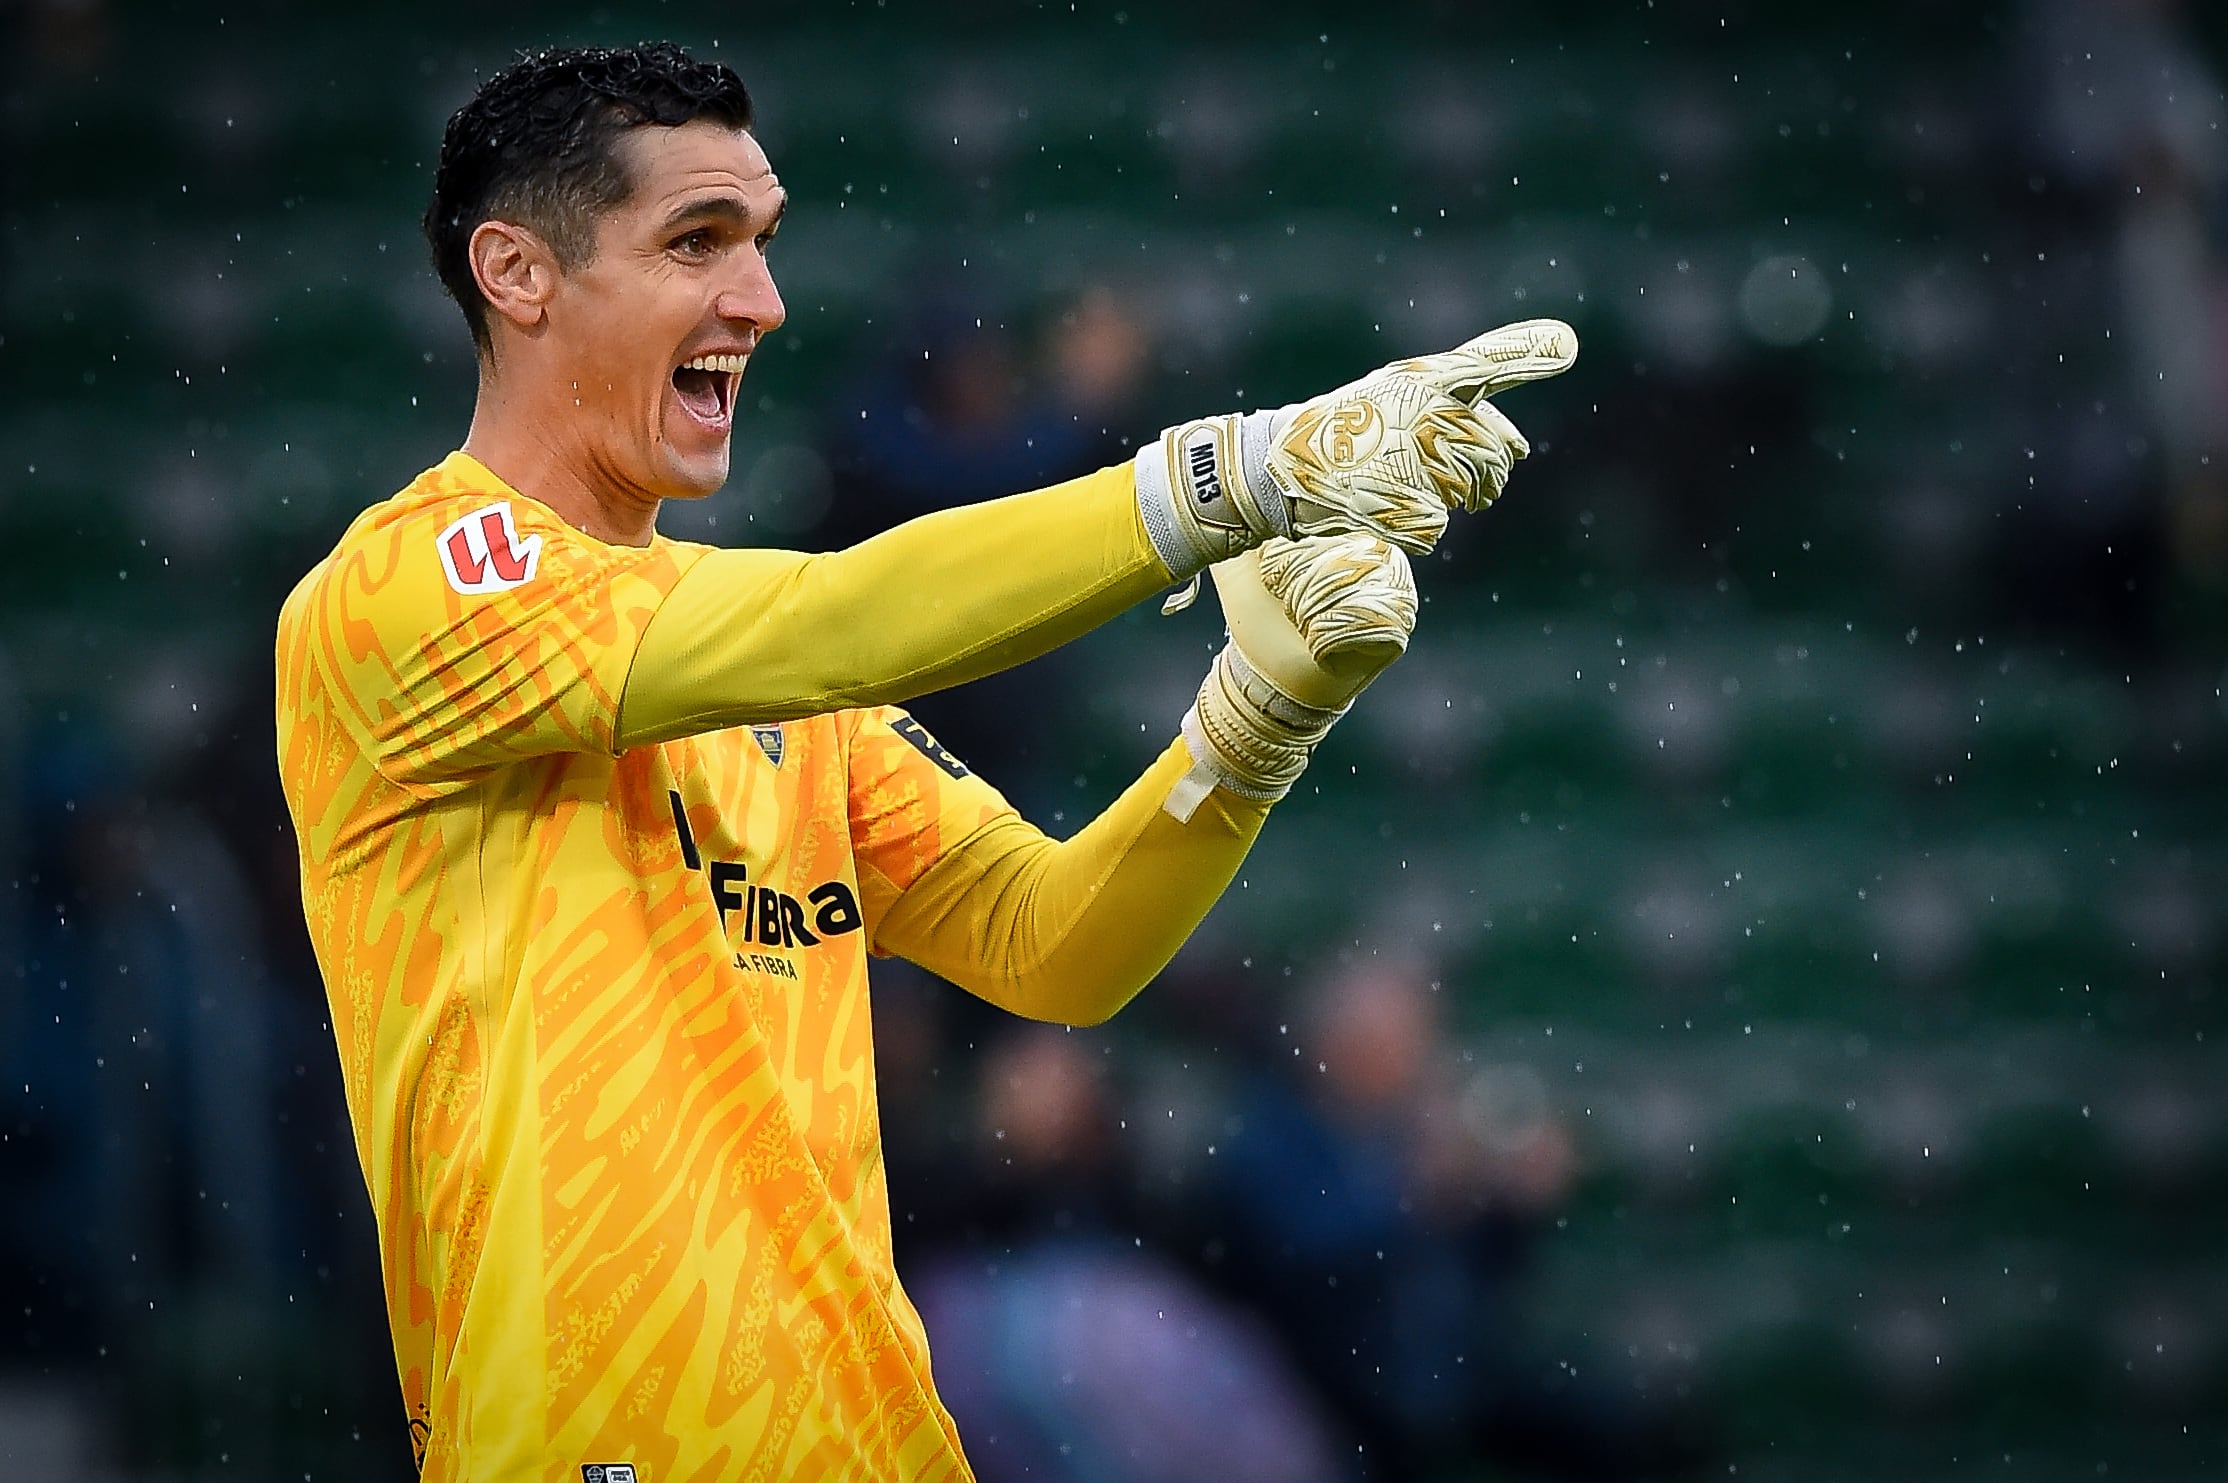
x=698 y=243
x=765 y=239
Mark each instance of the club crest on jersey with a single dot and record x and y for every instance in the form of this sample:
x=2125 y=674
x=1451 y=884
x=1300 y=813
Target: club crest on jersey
x=769 y=742
x=483 y=551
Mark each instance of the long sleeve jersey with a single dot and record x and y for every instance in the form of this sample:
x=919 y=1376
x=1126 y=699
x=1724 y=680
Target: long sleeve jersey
x=596 y=843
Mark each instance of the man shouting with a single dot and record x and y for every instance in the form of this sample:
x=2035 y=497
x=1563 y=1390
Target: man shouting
x=599 y=829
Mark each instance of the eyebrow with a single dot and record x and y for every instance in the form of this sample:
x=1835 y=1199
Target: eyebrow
x=722 y=209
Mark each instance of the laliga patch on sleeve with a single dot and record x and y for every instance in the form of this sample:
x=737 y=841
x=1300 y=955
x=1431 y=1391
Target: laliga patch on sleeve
x=928 y=746
x=483 y=552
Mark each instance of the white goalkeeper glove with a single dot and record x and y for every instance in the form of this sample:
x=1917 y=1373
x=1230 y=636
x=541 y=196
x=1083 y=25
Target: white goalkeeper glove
x=1389 y=454
x=1311 y=623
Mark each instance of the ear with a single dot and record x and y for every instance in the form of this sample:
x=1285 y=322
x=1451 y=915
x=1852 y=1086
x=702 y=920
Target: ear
x=516 y=271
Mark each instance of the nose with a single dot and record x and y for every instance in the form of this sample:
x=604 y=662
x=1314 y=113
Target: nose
x=750 y=297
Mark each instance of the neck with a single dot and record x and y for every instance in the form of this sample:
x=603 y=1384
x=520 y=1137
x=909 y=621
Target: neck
x=537 y=450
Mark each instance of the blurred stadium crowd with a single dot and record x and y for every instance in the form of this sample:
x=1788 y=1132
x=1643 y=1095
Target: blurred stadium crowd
x=1742 y=996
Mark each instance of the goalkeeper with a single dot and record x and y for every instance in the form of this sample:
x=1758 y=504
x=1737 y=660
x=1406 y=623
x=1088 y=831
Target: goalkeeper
x=599 y=829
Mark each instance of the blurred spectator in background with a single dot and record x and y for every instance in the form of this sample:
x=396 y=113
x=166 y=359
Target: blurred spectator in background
x=1065 y=1351
x=1376 y=1208
x=147 y=1151
x=962 y=412
x=2124 y=133
x=966 y=408
x=1098 y=357
x=1364 y=1212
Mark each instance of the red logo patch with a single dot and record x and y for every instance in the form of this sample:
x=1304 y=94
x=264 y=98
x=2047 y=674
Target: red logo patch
x=482 y=552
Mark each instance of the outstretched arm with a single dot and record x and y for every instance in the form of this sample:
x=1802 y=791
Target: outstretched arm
x=1070 y=930
x=744 y=635
x=752 y=635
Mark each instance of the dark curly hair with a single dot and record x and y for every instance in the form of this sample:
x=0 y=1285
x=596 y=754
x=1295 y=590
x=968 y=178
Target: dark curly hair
x=537 y=145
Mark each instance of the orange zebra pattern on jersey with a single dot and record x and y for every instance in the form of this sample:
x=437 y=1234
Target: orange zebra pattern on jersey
x=603 y=1019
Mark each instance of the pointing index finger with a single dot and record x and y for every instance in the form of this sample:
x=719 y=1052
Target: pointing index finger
x=1532 y=350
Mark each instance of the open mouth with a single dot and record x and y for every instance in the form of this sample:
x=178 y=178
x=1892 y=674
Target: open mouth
x=706 y=387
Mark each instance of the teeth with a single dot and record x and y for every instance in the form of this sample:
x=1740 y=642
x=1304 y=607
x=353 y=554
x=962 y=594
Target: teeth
x=732 y=364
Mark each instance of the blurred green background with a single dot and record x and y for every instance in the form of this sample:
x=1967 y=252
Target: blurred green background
x=1798 y=831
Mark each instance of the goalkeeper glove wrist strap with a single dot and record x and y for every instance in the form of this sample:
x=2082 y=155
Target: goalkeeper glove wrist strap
x=1246 y=735
x=1204 y=490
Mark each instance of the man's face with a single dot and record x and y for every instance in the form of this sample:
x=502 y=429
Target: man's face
x=653 y=331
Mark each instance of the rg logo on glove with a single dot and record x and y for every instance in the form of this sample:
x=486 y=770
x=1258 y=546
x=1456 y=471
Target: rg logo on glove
x=1354 y=433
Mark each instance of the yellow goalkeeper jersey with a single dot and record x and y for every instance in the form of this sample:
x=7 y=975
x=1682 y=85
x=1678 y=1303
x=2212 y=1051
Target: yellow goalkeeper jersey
x=595 y=843
x=603 y=1018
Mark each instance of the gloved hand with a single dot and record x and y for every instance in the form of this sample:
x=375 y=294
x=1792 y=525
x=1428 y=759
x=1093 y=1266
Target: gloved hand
x=1311 y=622
x=1389 y=454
